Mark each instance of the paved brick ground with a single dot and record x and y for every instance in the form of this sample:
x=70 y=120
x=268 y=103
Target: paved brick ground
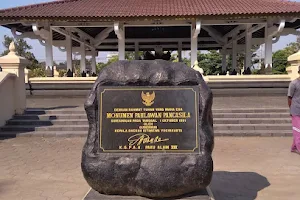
x=245 y=169
x=41 y=169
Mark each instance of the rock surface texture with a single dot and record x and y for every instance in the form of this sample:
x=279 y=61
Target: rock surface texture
x=155 y=175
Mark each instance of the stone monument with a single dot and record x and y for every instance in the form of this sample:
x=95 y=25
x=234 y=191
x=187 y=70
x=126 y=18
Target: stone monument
x=150 y=130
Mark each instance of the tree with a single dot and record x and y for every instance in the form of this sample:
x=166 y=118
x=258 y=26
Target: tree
x=130 y=55
x=113 y=59
x=210 y=62
x=293 y=47
x=280 y=61
x=62 y=72
x=280 y=57
x=37 y=72
x=21 y=46
x=187 y=61
x=100 y=66
x=22 y=49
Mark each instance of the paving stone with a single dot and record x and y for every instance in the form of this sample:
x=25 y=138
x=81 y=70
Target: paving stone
x=245 y=168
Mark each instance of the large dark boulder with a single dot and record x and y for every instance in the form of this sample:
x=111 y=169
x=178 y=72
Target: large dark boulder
x=154 y=175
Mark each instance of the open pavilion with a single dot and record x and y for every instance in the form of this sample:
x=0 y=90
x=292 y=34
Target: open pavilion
x=89 y=27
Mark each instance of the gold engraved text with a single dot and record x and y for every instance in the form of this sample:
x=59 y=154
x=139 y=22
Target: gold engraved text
x=119 y=115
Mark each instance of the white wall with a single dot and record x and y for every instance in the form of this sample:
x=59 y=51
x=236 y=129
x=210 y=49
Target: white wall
x=7 y=105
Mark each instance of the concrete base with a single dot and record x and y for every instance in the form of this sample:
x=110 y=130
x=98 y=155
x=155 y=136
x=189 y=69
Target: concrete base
x=94 y=195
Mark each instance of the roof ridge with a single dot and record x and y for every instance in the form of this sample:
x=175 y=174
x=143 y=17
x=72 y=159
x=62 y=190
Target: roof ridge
x=290 y=2
x=113 y=9
x=37 y=4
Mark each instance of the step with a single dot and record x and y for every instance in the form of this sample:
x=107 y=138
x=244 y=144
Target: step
x=49 y=116
x=247 y=127
x=48 y=122
x=44 y=128
x=252 y=110
x=251 y=115
x=54 y=112
x=12 y=134
x=252 y=120
x=74 y=107
x=254 y=133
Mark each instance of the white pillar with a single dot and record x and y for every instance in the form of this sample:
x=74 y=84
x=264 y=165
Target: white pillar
x=69 y=53
x=136 y=51
x=12 y=63
x=93 y=61
x=121 y=45
x=49 y=50
x=194 y=47
x=224 y=63
x=234 y=55
x=268 y=48
x=120 y=32
x=82 y=60
x=179 y=51
x=248 y=47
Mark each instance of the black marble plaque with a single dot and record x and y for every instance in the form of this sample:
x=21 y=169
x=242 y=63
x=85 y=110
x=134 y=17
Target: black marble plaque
x=148 y=119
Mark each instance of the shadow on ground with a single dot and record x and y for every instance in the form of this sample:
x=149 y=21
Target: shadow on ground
x=225 y=186
x=6 y=185
x=237 y=185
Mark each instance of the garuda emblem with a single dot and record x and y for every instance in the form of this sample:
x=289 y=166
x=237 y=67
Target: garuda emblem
x=148 y=99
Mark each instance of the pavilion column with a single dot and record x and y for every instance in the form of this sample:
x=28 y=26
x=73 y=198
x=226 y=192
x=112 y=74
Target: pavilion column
x=268 y=48
x=195 y=30
x=224 y=63
x=194 y=48
x=179 y=51
x=93 y=61
x=136 y=51
x=248 y=47
x=234 y=55
x=82 y=60
x=120 y=32
x=121 y=49
x=49 y=50
x=69 y=53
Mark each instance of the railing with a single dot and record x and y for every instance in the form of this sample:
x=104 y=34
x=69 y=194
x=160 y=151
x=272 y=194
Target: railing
x=247 y=78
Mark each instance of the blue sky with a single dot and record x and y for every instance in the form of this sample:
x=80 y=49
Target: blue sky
x=39 y=51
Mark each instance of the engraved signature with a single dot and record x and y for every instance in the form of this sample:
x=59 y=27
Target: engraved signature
x=142 y=138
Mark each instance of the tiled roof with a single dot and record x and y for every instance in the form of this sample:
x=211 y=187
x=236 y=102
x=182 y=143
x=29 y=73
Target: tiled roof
x=150 y=8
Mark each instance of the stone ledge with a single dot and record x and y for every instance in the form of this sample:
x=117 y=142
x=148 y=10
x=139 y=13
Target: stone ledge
x=208 y=79
x=94 y=195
